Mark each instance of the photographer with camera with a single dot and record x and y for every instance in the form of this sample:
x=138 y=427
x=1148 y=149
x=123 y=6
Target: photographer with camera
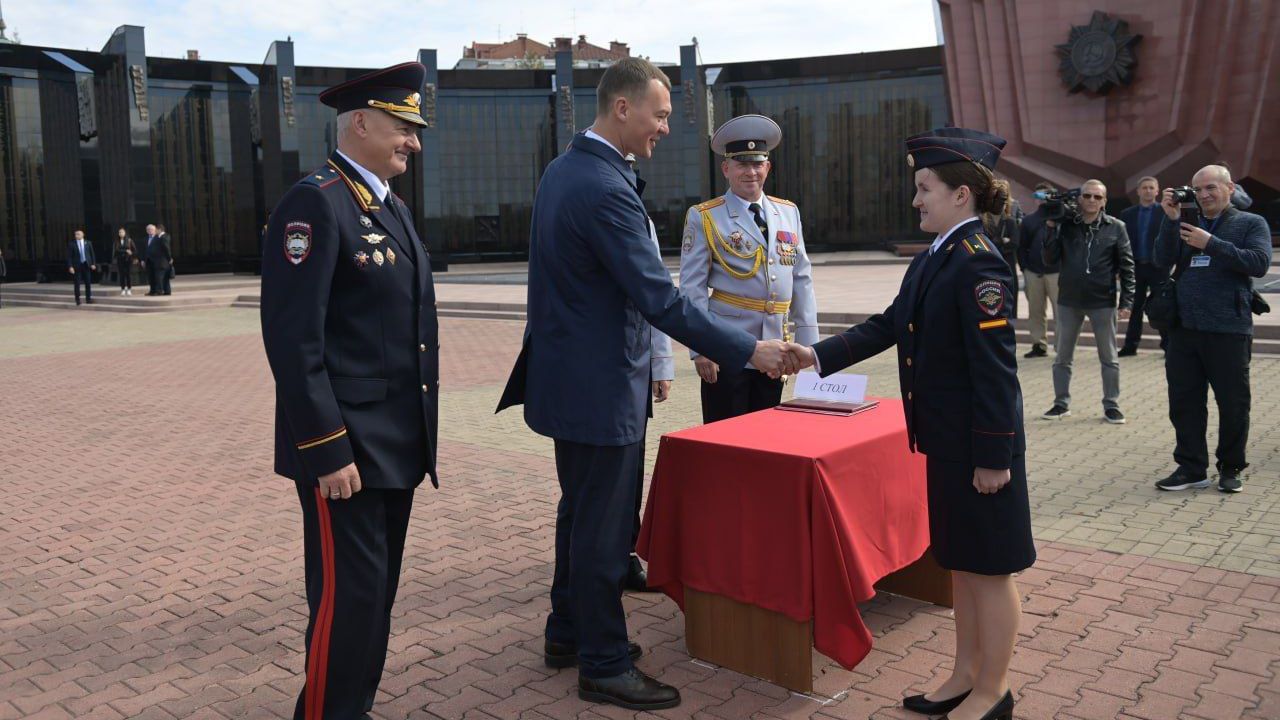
x=1142 y=221
x=1214 y=251
x=1041 y=279
x=1093 y=250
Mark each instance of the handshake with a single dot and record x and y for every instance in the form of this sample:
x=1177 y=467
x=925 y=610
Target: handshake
x=776 y=358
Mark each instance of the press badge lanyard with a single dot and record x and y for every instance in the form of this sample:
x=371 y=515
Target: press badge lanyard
x=1201 y=258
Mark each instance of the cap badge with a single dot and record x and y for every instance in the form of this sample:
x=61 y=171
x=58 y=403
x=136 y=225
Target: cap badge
x=911 y=160
x=751 y=145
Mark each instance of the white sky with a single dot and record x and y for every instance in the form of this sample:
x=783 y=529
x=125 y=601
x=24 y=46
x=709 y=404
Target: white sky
x=375 y=33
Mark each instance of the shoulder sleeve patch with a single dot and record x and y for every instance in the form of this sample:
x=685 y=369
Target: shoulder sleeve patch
x=990 y=296
x=297 y=241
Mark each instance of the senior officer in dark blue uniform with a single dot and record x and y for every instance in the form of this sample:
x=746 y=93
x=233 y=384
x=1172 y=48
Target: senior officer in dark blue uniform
x=349 y=324
x=959 y=379
x=595 y=287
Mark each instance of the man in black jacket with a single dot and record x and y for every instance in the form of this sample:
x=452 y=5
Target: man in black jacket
x=1213 y=341
x=1142 y=222
x=1093 y=250
x=82 y=263
x=156 y=257
x=1041 y=279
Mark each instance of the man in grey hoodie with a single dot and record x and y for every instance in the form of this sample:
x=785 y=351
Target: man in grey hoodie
x=1212 y=344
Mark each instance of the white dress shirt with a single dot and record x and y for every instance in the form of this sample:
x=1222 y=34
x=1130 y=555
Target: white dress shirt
x=377 y=185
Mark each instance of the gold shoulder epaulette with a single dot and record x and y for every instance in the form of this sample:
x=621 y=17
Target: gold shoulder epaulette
x=782 y=201
x=717 y=202
x=975 y=244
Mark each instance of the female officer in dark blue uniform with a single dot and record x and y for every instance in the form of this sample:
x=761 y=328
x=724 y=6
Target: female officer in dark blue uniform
x=957 y=368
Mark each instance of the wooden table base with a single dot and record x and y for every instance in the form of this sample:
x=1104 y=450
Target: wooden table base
x=772 y=646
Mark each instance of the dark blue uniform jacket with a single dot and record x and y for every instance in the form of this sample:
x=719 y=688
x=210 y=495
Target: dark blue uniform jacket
x=956 y=360
x=349 y=324
x=594 y=281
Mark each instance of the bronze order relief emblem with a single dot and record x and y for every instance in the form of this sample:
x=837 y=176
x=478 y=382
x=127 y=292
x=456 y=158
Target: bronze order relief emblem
x=1098 y=56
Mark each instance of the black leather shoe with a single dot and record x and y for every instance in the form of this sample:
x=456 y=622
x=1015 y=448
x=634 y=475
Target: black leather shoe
x=637 y=579
x=1127 y=351
x=918 y=704
x=1002 y=710
x=1037 y=351
x=558 y=655
x=632 y=690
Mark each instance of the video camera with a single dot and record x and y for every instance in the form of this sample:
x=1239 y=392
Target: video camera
x=1059 y=206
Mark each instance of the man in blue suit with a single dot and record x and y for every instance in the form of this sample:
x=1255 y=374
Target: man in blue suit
x=584 y=371
x=1142 y=221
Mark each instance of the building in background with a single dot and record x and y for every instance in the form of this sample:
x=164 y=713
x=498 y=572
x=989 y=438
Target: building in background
x=116 y=138
x=523 y=53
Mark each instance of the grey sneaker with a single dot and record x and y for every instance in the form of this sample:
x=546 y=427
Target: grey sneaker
x=1057 y=412
x=1181 y=480
x=1114 y=416
x=1229 y=481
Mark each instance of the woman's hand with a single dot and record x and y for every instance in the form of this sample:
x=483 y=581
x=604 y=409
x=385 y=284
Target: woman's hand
x=988 y=481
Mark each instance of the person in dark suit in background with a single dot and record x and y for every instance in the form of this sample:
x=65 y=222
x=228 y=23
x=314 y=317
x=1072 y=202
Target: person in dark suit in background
x=125 y=254
x=958 y=371
x=1142 y=221
x=583 y=373
x=82 y=263
x=166 y=284
x=155 y=260
x=351 y=334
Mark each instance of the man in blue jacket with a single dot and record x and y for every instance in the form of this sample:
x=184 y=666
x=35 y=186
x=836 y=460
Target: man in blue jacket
x=1142 y=222
x=584 y=371
x=1212 y=342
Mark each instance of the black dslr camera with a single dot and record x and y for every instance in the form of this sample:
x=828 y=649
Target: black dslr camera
x=1059 y=206
x=1185 y=196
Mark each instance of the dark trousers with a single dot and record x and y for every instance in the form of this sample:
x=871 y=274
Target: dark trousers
x=593 y=548
x=126 y=279
x=353 y=554
x=635 y=529
x=159 y=278
x=734 y=394
x=1150 y=279
x=1194 y=361
x=83 y=274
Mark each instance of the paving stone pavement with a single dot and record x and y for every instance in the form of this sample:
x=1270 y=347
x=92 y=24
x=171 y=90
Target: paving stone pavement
x=154 y=561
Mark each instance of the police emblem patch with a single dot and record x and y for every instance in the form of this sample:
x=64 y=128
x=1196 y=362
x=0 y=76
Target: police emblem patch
x=361 y=258
x=377 y=257
x=687 y=245
x=297 y=241
x=365 y=222
x=990 y=296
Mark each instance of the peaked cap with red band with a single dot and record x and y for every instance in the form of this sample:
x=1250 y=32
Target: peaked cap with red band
x=952 y=144
x=396 y=90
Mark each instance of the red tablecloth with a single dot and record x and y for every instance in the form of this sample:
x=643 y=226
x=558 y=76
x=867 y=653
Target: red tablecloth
x=794 y=512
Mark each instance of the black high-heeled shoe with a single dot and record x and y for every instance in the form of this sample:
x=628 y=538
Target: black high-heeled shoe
x=1002 y=710
x=918 y=704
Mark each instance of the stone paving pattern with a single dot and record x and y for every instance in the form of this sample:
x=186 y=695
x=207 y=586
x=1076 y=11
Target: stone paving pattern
x=154 y=566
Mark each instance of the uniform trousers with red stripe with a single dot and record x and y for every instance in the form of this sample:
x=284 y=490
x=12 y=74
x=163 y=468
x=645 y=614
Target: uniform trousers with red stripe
x=353 y=551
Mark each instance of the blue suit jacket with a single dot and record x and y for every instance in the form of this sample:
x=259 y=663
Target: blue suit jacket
x=594 y=281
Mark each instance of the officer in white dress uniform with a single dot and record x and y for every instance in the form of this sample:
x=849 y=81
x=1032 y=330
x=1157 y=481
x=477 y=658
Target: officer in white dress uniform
x=743 y=257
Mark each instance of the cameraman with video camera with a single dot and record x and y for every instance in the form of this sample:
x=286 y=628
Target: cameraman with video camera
x=1092 y=249
x=1214 y=251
